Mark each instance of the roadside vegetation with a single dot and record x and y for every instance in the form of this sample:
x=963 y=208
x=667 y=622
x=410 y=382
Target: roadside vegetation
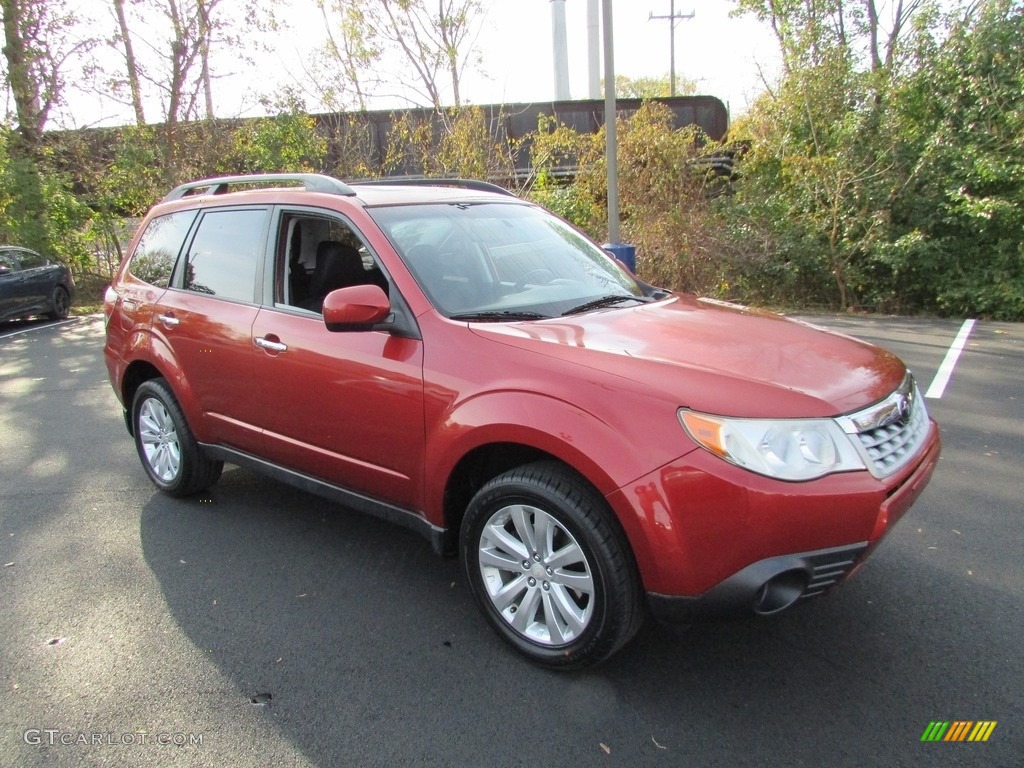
x=883 y=172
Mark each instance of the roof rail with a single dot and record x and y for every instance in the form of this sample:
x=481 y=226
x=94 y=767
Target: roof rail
x=312 y=182
x=419 y=181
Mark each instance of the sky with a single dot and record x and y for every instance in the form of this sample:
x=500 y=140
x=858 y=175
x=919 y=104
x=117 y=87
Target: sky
x=727 y=57
x=721 y=54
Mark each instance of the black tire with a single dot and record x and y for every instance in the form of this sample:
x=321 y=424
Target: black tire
x=566 y=604
x=60 y=303
x=172 y=458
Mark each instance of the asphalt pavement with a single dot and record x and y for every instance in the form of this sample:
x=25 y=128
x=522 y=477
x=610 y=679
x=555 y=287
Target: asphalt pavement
x=259 y=626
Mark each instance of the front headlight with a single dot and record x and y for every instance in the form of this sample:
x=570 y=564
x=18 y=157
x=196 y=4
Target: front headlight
x=786 y=449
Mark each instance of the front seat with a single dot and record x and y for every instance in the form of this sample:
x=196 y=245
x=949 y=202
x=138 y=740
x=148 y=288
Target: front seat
x=337 y=266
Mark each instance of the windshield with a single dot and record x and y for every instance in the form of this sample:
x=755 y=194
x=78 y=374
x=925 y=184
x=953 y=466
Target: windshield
x=503 y=261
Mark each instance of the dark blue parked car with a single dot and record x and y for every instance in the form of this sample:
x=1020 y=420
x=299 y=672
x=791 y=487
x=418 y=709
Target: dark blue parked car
x=31 y=284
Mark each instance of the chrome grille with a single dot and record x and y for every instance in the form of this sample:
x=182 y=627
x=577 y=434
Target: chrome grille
x=889 y=434
x=893 y=446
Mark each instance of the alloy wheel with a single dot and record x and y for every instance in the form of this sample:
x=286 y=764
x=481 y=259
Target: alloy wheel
x=159 y=439
x=536 y=575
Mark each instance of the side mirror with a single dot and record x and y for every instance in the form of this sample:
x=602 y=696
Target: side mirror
x=356 y=308
x=4 y=269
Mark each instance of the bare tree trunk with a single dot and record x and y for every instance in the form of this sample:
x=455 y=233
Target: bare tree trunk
x=174 y=96
x=203 y=13
x=876 y=59
x=451 y=52
x=130 y=63
x=28 y=102
x=900 y=18
x=435 y=37
x=349 y=54
x=413 y=48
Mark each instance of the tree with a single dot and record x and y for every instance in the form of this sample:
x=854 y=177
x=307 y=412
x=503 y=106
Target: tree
x=807 y=30
x=651 y=87
x=889 y=162
x=39 y=45
x=288 y=142
x=821 y=171
x=816 y=169
x=186 y=57
x=456 y=143
x=131 y=63
x=170 y=62
x=348 y=51
x=437 y=41
x=666 y=205
x=958 y=216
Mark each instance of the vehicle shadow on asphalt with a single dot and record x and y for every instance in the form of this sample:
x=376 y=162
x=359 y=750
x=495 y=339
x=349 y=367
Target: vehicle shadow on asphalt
x=351 y=621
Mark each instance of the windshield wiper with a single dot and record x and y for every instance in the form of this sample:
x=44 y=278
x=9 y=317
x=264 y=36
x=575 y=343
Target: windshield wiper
x=498 y=317
x=604 y=301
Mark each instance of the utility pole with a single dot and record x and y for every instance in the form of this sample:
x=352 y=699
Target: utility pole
x=672 y=17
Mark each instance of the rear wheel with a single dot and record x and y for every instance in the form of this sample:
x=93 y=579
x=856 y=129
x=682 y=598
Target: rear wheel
x=173 y=459
x=550 y=568
x=60 y=303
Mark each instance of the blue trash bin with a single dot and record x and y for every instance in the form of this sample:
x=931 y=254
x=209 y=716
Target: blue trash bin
x=623 y=252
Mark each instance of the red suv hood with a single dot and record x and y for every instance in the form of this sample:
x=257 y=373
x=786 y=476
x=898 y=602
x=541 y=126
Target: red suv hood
x=718 y=358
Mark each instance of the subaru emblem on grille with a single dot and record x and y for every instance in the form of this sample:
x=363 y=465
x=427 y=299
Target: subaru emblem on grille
x=903 y=408
x=898 y=413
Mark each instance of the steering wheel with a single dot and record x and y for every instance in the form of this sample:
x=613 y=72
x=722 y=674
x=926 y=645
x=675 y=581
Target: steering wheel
x=522 y=281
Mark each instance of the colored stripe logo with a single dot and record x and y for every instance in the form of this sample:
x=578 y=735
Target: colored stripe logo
x=958 y=730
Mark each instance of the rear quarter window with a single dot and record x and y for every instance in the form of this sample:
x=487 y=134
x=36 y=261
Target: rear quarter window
x=159 y=246
x=32 y=261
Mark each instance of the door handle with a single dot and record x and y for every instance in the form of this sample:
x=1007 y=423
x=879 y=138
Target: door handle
x=168 y=320
x=270 y=345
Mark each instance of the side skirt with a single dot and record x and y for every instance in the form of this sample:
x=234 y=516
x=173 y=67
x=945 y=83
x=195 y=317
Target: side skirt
x=406 y=518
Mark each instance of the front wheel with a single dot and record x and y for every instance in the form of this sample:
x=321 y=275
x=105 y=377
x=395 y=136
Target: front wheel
x=550 y=568
x=173 y=459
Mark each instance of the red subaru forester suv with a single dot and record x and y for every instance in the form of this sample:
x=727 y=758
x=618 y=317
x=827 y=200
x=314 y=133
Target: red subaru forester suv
x=459 y=361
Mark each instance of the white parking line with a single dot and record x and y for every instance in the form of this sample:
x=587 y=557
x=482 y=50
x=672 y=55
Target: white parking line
x=38 y=328
x=938 y=385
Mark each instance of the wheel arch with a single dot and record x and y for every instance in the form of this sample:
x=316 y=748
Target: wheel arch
x=155 y=360
x=485 y=462
x=135 y=375
x=471 y=473
x=474 y=446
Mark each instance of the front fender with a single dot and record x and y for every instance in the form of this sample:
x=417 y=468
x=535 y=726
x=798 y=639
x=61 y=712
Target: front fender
x=564 y=430
x=603 y=454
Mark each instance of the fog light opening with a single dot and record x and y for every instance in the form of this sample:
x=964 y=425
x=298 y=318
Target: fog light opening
x=780 y=592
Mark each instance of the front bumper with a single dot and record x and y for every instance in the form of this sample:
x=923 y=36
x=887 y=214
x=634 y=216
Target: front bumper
x=712 y=539
x=768 y=586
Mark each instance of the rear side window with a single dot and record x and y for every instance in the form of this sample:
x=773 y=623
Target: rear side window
x=32 y=260
x=224 y=254
x=153 y=260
